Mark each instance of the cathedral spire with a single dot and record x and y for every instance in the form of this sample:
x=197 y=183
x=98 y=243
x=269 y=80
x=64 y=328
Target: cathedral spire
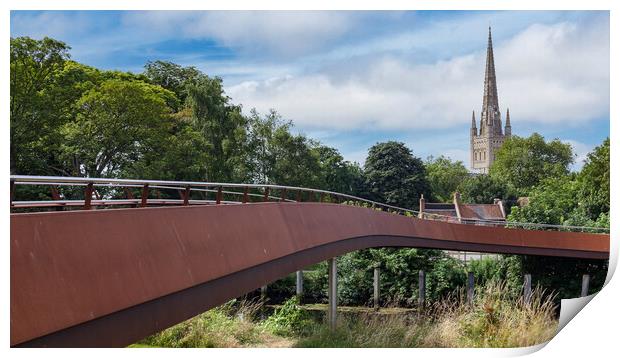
x=473 y=119
x=489 y=136
x=490 y=105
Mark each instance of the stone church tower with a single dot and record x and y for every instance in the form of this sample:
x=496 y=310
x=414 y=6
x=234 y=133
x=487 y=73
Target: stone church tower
x=485 y=143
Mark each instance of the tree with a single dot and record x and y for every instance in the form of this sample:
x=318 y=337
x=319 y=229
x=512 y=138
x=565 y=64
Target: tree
x=394 y=176
x=444 y=177
x=181 y=155
x=523 y=162
x=117 y=124
x=34 y=112
x=338 y=174
x=483 y=189
x=221 y=124
x=594 y=182
x=172 y=77
x=276 y=156
x=550 y=202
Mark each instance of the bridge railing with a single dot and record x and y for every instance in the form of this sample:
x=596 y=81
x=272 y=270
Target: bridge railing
x=86 y=193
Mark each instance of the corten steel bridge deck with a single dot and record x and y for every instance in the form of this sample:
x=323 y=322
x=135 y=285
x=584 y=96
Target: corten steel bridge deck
x=135 y=266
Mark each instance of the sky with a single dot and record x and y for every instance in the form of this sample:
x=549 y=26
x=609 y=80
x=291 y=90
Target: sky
x=351 y=79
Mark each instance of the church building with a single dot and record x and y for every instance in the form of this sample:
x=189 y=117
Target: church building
x=485 y=142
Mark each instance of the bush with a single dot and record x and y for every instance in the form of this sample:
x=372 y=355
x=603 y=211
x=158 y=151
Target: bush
x=506 y=268
x=288 y=319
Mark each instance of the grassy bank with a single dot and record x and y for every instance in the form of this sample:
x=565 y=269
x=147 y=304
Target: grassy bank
x=494 y=319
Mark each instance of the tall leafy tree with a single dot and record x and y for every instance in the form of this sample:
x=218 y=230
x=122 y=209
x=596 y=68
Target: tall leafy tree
x=180 y=155
x=118 y=122
x=35 y=113
x=524 y=162
x=550 y=202
x=275 y=155
x=222 y=125
x=444 y=177
x=338 y=174
x=594 y=182
x=394 y=176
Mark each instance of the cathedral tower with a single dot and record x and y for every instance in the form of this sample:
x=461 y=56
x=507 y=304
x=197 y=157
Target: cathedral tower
x=485 y=142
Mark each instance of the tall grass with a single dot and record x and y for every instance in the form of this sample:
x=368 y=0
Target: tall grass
x=494 y=319
x=227 y=326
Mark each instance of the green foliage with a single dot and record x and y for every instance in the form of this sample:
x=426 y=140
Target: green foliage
x=394 y=176
x=36 y=112
x=399 y=275
x=506 y=268
x=445 y=276
x=444 y=177
x=524 y=162
x=118 y=122
x=212 y=329
x=288 y=319
x=337 y=174
x=594 y=183
x=483 y=189
x=222 y=126
x=563 y=275
x=172 y=77
x=550 y=202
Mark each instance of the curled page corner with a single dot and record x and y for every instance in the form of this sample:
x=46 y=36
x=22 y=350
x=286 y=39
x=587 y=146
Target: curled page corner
x=570 y=307
x=523 y=351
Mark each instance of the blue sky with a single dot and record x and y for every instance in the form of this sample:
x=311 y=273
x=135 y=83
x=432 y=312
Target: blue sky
x=351 y=79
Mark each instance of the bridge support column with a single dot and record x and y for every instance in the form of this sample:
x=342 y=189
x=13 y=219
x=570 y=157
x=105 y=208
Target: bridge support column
x=527 y=288
x=470 y=287
x=332 y=294
x=585 y=285
x=422 y=288
x=299 y=285
x=375 y=287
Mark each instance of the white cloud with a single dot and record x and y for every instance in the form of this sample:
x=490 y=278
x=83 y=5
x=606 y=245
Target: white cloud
x=554 y=74
x=281 y=32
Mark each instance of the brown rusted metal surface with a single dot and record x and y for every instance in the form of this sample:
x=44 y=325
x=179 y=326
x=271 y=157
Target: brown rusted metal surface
x=186 y=196
x=245 y=195
x=218 y=197
x=54 y=190
x=110 y=277
x=145 y=195
x=88 y=196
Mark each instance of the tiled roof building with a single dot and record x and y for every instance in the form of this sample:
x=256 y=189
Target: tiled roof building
x=458 y=211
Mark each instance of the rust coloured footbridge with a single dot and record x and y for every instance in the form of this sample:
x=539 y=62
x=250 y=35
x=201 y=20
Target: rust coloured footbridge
x=106 y=262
